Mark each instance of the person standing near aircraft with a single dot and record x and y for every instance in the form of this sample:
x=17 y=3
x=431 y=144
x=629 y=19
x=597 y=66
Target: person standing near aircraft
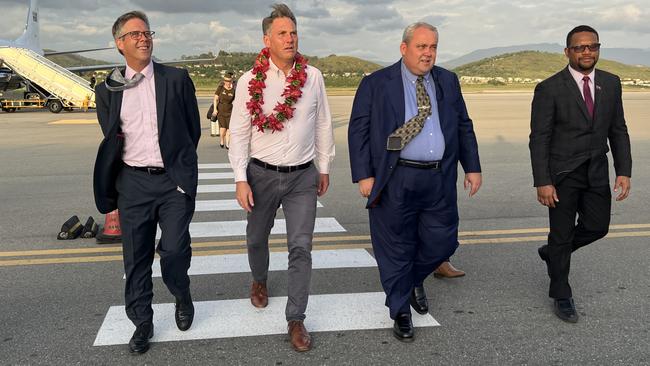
x=147 y=167
x=574 y=114
x=223 y=98
x=280 y=126
x=408 y=130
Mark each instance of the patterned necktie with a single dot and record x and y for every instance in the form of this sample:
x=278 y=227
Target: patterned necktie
x=403 y=135
x=123 y=84
x=586 y=91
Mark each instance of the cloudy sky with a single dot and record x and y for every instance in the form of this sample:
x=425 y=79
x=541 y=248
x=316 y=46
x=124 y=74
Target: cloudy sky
x=370 y=29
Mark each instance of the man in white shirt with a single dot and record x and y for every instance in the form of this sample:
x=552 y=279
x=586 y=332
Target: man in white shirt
x=280 y=127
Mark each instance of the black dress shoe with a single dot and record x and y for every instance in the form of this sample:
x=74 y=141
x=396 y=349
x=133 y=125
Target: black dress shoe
x=543 y=253
x=565 y=309
x=418 y=300
x=139 y=342
x=184 y=314
x=403 y=327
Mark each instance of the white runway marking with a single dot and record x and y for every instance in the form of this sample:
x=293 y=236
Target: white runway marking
x=217 y=205
x=223 y=205
x=227 y=175
x=238 y=318
x=238 y=228
x=215 y=188
x=215 y=166
x=238 y=263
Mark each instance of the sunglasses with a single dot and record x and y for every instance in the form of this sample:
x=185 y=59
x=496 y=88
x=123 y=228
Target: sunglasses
x=579 y=49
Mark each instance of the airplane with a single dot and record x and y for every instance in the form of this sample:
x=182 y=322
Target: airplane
x=30 y=39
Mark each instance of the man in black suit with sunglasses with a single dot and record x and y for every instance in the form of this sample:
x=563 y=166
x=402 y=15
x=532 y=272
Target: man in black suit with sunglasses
x=574 y=114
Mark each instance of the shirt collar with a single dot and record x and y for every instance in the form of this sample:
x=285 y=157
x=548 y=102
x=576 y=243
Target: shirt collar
x=411 y=77
x=577 y=75
x=147 y=71
x=274 y=68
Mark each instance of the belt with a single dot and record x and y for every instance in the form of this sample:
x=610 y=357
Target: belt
x=148 y=170
x=281 y=169
x=435 y=165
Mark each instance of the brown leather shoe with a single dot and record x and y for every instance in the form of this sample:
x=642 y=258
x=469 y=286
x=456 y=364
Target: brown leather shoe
x=300 y=338
x=448 y=271
x=259 y=294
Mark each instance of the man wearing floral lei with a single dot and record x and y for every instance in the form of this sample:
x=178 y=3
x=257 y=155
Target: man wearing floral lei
x=281 y=149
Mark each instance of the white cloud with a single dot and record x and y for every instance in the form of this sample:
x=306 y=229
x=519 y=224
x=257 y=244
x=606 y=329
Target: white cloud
x=367 y=28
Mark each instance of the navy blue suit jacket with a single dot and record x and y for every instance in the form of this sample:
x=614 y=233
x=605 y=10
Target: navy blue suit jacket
x=179 y=130
x=378 y=110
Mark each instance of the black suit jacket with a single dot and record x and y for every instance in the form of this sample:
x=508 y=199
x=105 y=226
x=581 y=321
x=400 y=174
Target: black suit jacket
x=179 y=130
x=563 y=136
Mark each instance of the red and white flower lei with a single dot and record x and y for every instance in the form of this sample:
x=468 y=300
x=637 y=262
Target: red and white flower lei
x=283 y=111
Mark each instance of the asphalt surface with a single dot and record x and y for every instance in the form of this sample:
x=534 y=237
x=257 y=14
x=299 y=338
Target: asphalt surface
x=499 y=314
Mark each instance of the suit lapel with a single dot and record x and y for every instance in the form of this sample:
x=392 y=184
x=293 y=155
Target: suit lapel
x=576 y=92
x=115 y=108
x=395 y=92
x=442 y=108
x=161 y=94
x=598 y=91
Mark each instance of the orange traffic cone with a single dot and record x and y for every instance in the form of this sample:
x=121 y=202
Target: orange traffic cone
x=111 y=233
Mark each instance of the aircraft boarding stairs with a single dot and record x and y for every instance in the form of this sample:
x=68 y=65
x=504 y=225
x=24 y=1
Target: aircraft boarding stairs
x=72 y=90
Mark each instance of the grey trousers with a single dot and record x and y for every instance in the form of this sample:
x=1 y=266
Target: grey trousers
x=296 y=192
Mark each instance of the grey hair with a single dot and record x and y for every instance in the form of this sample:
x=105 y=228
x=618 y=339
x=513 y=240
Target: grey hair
x=279 y=11
x=119 y=23
x=408 y=31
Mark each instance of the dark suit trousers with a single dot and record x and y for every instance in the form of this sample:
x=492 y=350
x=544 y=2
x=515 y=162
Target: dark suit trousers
x=146 y=201
x=413 y=230
x=592 y=205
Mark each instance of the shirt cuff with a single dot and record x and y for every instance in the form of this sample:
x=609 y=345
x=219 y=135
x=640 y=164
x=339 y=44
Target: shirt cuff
x=240 y=175
x=324 y=166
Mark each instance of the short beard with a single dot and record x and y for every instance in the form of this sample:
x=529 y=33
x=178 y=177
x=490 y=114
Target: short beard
x=583 y=68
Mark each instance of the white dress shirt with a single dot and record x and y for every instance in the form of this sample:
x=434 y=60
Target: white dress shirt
x=308 y=135
x=140 y=121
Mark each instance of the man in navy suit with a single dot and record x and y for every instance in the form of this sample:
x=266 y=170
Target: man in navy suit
x=408 y=130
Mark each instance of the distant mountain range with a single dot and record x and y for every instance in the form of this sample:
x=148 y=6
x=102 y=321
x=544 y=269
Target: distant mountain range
x=629 y=56
x=346 y=71
x=540 y=65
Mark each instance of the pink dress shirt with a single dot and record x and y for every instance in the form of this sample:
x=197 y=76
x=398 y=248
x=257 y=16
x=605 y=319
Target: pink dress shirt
x=577 y=76
x=140 y=121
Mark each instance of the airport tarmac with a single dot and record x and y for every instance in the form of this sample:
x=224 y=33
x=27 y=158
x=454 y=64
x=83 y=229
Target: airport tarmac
x=61 y=298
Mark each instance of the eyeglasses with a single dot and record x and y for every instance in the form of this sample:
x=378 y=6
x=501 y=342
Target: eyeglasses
x=135 y=35
x=579 y=49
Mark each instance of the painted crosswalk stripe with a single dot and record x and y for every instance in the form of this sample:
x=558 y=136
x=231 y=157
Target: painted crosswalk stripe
x=226 y=175
x=223 y=205
x=238 y=263
x=238 y=228
x=215 y=166
x=217 y=205
x=215 y=188
x=238 y=318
